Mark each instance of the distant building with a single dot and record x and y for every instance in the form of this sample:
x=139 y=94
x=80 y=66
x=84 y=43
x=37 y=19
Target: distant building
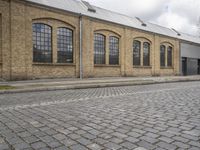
x=68 y=38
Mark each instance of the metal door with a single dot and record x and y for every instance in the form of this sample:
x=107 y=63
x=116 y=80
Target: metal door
x=199 y=66
x=184 y=66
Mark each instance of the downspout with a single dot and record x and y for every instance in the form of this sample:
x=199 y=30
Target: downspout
x=10 y=34
x=80 y=47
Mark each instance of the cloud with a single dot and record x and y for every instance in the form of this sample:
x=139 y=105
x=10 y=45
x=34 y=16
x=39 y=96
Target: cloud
x=182 y=15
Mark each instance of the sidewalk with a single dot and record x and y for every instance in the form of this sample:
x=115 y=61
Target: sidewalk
x=75 y=83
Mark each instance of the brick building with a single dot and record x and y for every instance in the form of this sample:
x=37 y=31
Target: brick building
x=69 y=38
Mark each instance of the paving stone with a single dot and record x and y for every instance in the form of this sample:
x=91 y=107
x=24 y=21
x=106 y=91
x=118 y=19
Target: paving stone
x=193 y=148
x=78 y=147
x=38 y=145
x=31 y=139
x=94 y=147
x=111 y=145
x=68 y=142
x=138 y=131
x=84 y=141
x=45 y=148
x=59 y=136
x=14 y=140
x=140 y=148
x=21 y=146
x=134 y=134
x=4 y=146
x=132 y=139
x=152 y=135
x=192 y=133
x=54 y=144
x=24 y=134
x=181 y=145
x=62 y=148
x=104 y=136
x=166 y=139
x=146 y=145
x=193 y=143
x=166 y=146
x=190 y=137
x=119 y=135
x=128 y=145
x=100 y=141
x=116 y=140
x=167 y=134
x=74 y=136
x=149 y=139
x=181 y=139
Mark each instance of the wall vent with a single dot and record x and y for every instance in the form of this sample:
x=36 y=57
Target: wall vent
x=142 y=22
x=176 y=32
x=90 y=7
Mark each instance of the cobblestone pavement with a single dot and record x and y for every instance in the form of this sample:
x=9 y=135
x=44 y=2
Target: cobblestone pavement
x=148 y=117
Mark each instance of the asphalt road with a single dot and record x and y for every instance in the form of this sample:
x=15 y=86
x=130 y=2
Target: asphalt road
x=159 y=116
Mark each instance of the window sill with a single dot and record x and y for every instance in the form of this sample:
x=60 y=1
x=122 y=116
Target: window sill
x=53 y=64
x=143 y=67
x=166 y=68
x=103 y=65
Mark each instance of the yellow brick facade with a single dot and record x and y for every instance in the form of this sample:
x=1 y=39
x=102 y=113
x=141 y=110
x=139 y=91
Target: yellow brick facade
x=16 y=52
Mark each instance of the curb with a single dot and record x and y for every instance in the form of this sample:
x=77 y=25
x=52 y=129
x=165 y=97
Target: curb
x=87 y=86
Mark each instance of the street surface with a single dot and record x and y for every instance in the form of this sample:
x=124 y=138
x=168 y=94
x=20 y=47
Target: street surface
x=146 y=117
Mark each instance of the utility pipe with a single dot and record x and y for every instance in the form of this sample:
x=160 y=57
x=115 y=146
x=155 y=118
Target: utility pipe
x=80 y=46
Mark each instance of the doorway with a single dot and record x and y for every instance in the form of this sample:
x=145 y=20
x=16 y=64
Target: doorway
x=198 y=66
x=184 y=66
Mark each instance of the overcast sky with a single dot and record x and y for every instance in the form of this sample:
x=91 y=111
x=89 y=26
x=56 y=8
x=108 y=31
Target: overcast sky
x=182 y=15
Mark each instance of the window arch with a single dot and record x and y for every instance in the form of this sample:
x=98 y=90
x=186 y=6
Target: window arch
x=42 y=43
x=169 y=56
x=166 y=55
x=64 y=45
x=113 y=50
x=99 y=48
x=162 y=55
x=146 y=54
x=136 y=52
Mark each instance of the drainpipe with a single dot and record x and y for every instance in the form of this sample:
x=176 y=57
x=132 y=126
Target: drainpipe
x=80 y=46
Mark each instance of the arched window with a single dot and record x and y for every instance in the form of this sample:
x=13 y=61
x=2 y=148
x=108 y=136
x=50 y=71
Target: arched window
x=169 y=56
x=99 y=48
x=113 y=50
x=42 y=43
x=136 y=52
x=65 y=45
x=146 y=54
x=162 y=55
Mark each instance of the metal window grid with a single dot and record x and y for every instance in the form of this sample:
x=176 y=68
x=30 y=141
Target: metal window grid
x=136 y=52
x=113 y=50
x=99 y=48
x=42 y=43
x=146 y=54
x=64 y=45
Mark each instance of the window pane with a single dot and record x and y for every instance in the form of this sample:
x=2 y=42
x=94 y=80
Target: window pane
x=136 y=53
x=65 y=45
x=114 y=50
x=99 y=49
x=169 y=56
x=42 y=47
x=162 y=55
x=146 y=54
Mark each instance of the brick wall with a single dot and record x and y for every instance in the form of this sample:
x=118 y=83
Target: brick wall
x=17 y=53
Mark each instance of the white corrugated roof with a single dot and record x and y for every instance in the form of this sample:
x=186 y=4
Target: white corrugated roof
x=78 y=7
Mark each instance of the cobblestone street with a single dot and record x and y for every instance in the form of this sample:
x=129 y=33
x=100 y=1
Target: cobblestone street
x=146 y=117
